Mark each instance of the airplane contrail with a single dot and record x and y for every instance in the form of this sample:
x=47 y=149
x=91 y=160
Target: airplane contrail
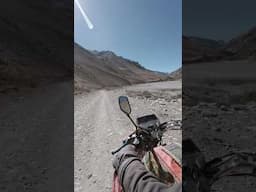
x=89 y=23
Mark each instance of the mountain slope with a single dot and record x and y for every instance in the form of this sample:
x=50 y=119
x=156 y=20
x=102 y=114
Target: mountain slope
x=243 y=46
x=94 y=70
x=32 y=33
x=195 y=49
x=205 y=50
x=177 y=74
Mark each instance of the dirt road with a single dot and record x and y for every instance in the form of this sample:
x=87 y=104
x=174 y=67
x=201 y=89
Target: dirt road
x=100 y=127
x=32 y=127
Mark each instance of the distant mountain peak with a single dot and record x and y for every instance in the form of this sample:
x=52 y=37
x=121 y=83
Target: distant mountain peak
x=99 y=69
x=196 y=49
x=103 y=53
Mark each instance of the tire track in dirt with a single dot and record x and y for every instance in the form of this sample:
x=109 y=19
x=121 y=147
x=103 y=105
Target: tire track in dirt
x=98 y=132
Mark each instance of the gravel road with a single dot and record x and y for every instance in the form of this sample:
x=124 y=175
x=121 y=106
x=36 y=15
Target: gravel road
x=100 y=127
x=33 y=124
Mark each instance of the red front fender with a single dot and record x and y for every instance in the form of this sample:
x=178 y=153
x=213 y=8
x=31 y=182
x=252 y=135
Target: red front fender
x=169 y=162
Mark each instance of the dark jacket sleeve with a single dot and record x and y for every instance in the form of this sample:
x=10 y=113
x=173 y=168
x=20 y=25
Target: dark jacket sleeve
x=135 y=178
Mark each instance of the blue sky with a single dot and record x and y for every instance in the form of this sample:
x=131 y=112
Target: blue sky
x=147 y=31
x=218 y=19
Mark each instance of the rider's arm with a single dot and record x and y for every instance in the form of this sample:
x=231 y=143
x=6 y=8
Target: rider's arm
x=133 y=175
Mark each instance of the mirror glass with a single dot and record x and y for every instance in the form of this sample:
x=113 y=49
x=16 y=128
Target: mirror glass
x=124 y=104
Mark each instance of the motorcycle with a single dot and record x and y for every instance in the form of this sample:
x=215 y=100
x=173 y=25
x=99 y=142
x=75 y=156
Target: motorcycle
x=164 y=161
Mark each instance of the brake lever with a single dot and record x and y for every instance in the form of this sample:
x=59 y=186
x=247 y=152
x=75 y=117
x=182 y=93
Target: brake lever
x=129 y=140
x=114 y=152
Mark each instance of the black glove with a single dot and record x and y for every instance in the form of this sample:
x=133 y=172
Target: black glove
x=126 y=152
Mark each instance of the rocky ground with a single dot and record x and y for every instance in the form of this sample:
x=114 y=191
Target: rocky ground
x=33 y=123
x=100 y=127
x=219 y=109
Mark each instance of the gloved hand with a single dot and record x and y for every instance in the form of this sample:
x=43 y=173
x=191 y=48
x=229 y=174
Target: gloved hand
x=126 y=152
x=133 y=175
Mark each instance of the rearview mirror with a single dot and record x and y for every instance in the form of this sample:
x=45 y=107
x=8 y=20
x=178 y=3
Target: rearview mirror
x=124 y=104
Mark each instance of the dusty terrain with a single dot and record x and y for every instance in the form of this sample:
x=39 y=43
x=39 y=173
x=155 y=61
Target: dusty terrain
x=219 y=109
x=100 y=127
x=34 y=155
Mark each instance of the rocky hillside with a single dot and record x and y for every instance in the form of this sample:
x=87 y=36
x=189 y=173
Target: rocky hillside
x=30 y=41
x=177 y=74
x=243 y=46
x=95 y=70
x=195 y=49
x=205 y=50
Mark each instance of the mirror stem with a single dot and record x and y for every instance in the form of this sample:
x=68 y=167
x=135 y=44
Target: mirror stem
x=132 y=121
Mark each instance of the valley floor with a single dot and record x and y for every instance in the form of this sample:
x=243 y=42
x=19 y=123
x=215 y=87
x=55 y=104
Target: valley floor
x=100 y=127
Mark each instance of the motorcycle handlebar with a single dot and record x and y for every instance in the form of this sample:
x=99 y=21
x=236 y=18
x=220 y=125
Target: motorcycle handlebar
x=130 y=140
x=114 y=152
